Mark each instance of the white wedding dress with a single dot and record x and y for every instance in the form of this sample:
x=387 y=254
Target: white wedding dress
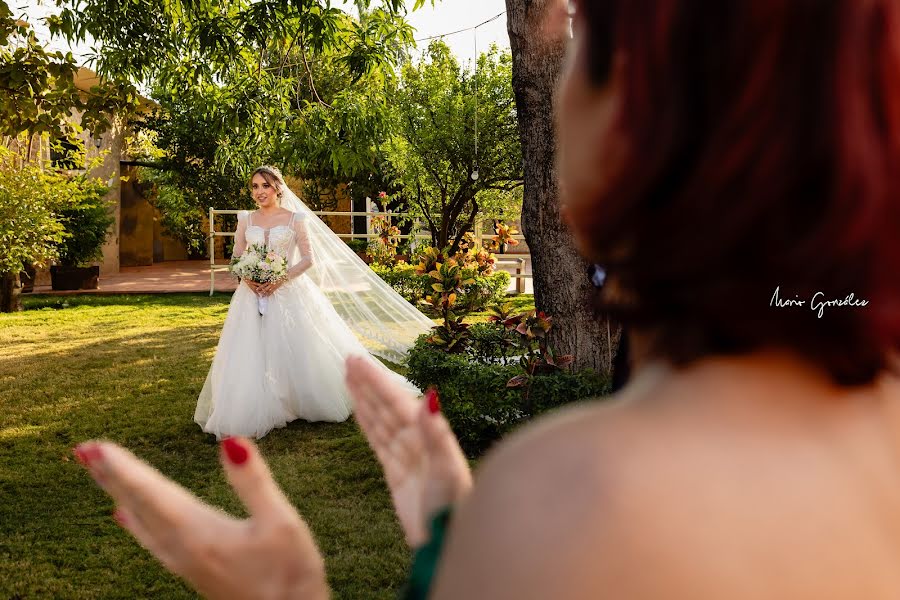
x=286 y=365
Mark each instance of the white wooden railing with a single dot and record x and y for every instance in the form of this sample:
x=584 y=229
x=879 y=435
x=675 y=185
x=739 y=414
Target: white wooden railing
x=517 y=262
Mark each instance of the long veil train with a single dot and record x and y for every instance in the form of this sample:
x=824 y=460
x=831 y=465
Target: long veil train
x=386 y=324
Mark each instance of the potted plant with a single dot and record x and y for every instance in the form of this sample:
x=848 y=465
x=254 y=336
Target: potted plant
x=30 y=231
x=87 y=221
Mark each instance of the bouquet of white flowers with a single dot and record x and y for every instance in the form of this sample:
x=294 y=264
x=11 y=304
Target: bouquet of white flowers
x=260 y=265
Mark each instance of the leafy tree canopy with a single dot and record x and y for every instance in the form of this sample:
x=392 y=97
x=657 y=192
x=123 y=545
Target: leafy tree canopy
x=450 y=124
x=269 y=79
x=38 y=91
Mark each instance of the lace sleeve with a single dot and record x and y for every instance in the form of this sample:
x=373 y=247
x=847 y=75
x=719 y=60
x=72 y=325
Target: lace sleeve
x=240 y=236
x=302 y=240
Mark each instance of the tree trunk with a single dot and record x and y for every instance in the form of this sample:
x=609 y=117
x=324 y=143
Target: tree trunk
x=561 y=285
x=10 y=293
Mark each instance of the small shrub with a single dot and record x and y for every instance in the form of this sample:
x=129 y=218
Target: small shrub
x=479 y=284
x=475 y=397
x=357 y=245
x=480 y=293
x=403 y=278
x=492 y=345
x=87 y=224
x=485 y=290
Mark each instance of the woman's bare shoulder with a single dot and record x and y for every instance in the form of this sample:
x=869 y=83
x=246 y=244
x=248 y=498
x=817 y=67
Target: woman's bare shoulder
x=533 y=512
x=582 y=503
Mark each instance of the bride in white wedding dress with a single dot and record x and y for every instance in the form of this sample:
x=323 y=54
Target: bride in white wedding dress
x=288 y=363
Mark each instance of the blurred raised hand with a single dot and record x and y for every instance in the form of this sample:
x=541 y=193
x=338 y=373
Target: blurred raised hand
x=271 y=554
x=423 y=464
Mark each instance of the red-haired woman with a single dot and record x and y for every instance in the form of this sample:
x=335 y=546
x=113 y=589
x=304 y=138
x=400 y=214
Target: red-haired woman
x=734 y=167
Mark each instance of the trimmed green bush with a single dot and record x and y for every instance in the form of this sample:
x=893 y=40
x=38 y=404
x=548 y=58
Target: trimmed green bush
x=474 y=396
x=476 y=296
x=357 y=245
x=402 y=277
x=485 y=291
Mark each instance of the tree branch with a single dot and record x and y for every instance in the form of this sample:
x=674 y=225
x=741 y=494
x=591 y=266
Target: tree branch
x=312 y=83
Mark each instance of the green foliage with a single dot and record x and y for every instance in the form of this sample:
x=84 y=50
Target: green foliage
x=29 y=229
x=465 y=282
x=451 y=336
x=299 y=84
x=429 y=258
x=493 y=345
x=482 y=291
x=213 y=40
x=358 y=245
x=47 y=215
x=404 y=279
x=432 y=154
x=39 y=90
x=178 y=197
x=498 y=373
x=87 y=221
x=446 y=285
x=475 y=397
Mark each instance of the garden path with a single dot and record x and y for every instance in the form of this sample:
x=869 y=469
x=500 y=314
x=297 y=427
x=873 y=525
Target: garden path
x=182 y=276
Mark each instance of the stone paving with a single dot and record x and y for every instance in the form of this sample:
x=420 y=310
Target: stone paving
x=169 y=277
x=187 y=276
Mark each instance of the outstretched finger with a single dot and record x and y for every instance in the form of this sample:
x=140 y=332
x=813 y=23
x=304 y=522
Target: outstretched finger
x=159 y=502
x=391 y=403
x=251 y=479
x=450 y=478
x=435 y=428
x=130 y=522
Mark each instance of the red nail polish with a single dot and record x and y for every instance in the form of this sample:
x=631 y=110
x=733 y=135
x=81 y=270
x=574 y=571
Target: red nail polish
x=434 y=405
x=79 y=455
x=87 y=453
x=235 y=451
x=119 y=518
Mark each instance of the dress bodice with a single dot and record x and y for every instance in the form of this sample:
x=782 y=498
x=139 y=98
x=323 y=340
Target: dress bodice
x=277 y=239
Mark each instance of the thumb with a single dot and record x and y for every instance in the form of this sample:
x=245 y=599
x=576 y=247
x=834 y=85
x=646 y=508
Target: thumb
x=251 y=479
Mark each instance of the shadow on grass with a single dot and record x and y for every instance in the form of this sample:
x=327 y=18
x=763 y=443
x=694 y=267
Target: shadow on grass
x=43 y=301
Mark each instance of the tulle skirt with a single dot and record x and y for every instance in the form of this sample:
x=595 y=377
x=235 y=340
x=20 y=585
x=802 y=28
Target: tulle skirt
x=287 y=364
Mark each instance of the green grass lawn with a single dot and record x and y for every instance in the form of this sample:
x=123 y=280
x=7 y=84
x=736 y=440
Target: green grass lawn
x=128 y=369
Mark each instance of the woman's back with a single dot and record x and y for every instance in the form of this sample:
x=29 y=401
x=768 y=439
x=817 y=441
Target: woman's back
x=748 y=477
